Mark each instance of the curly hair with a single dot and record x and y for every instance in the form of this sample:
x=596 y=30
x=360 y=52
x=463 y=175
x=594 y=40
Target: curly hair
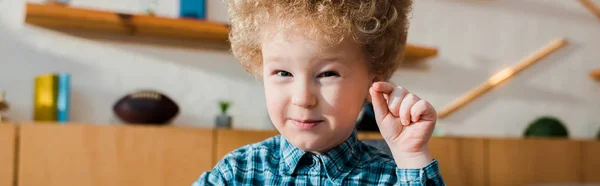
x=379 y=25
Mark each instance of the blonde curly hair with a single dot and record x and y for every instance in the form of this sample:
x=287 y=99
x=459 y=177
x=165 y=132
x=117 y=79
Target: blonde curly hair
x=379 y=25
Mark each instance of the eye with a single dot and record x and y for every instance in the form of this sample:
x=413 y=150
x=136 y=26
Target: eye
x=283 y=73
x=329 y=74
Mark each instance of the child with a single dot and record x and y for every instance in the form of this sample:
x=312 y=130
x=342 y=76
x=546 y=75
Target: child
x=320 y=61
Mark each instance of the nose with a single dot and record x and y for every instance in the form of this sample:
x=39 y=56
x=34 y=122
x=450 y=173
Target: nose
x=303 y=95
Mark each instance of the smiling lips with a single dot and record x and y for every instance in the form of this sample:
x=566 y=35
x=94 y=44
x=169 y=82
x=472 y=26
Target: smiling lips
x=306 y=124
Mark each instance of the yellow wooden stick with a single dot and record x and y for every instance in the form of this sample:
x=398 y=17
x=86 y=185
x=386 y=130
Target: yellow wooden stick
x=595 y=74
x=591 y=7
x=503 y=75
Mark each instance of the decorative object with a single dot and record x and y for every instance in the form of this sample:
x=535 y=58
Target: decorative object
x=223 y=120
x=547 y=126
x=503 y=75
x=194 y=9
x=3 y=106
x=63 y=97
x=52 y=97
x=589 y=5
x=45 y=97
x=146 y=107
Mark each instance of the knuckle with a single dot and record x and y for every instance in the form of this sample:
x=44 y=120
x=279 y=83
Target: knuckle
x=411 y=96
x=401 y=89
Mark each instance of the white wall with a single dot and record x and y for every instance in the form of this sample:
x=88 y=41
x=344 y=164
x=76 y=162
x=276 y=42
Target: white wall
x=475 y=38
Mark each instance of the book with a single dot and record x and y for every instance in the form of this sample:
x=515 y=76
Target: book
x=52 y=97
x=62 y=100
x=195 y=9
x=46 y=90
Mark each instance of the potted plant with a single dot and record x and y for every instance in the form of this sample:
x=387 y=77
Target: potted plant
x=548 y=127
x=224 y=120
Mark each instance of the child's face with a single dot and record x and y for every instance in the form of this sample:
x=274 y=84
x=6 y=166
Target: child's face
x=314 y=93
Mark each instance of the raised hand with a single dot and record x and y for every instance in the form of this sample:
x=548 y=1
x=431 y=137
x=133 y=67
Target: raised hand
x=405 y=121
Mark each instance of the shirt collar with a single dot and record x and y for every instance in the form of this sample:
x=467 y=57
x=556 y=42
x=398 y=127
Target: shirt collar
x=338 y=161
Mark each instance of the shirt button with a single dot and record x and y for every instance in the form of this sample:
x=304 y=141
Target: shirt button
x=309 y=161
x=312 y=163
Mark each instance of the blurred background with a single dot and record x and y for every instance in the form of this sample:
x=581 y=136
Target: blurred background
x=80 y=77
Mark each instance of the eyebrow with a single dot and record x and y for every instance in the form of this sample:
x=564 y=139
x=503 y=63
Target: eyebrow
x=274 y=58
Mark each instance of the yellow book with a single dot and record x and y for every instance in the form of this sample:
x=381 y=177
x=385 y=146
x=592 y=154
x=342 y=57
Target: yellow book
x=45 y=97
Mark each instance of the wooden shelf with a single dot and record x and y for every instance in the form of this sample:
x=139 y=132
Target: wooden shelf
x=595 y=74
x=65 y=18
x=415 y=52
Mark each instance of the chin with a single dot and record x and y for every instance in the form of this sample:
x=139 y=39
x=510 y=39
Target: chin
x=311 y=143
x=312 y=146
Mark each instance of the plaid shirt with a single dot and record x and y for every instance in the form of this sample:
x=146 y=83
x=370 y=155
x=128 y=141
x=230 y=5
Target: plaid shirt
x=276 y=161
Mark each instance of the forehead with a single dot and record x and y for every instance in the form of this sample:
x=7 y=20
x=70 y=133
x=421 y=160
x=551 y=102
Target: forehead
x=297 y=41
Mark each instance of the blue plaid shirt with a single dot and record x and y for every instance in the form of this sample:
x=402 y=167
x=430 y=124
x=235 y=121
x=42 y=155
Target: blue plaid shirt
x=276 y=161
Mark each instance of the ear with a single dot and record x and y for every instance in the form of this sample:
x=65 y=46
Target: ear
x=374 y=78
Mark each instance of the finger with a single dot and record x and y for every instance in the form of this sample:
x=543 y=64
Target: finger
x=396 y=98
x=406 y=107
x=422 y=110
x=379 y=105
x=384 y=87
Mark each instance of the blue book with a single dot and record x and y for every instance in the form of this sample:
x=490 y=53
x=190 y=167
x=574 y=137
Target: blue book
x=192 y=9
x=63 y=96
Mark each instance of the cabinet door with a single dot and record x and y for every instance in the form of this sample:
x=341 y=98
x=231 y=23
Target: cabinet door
x=7 y=154
x=534 y=162
x=591 y=162
x=99 y=155
x=462 y=161
x=229 y=140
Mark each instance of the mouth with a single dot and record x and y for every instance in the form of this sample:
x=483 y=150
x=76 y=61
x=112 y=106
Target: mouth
x=306 y=124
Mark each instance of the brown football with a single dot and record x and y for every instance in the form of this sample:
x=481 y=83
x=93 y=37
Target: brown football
x=146 y=107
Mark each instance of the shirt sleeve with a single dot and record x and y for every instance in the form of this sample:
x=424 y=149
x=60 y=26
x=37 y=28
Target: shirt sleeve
x=216 y=176
x=426 y=176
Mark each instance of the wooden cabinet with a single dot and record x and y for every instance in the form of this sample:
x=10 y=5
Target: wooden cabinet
x=7 y=154
x=534 y=161
x=462 y=161
x=228 y=140
x=91 y=155
x=591 y=161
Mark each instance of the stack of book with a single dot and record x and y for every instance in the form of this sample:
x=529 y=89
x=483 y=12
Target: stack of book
x=51 y=98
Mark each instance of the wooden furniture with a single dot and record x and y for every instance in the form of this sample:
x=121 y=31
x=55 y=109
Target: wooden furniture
x=503 y=75
x=462 y=161
x=534 y=161
x=416 y=52
x=595 y=74
x=590 y=6
x=228 y=140
x=590 y=155
x=7 y=154
x=65 y=18
x=57 y=155
x=80 y=154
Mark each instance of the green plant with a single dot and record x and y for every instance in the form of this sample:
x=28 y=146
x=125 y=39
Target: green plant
x=224 y=106
x=546 y=126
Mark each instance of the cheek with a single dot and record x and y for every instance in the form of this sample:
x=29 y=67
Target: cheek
x=276 y=101
x=344 y=101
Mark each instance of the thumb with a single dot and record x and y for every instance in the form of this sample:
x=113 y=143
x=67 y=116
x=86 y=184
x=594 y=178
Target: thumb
x=380 y=106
